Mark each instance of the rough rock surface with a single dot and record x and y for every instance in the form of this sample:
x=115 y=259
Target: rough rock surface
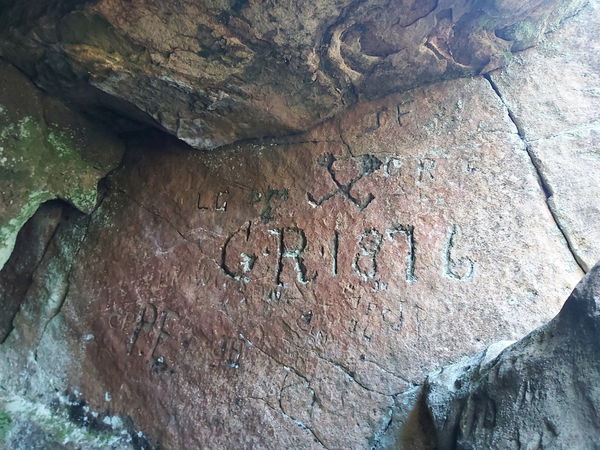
x=39 y=409
x=291 y=292
x=212 y=73
x=284 y=294
x=541 y=392
x=46 y=151
x=32 y=243
x=553 y=93
x=65 y=425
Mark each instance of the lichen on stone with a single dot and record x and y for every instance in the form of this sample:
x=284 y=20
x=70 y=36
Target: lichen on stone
x=38 y=425
x=46 y=152
x=5 y=424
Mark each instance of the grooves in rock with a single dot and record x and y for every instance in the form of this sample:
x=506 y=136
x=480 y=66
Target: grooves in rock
x=544 y=184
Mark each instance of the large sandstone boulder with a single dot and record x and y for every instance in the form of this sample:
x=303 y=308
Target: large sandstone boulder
x=212 y=73
x=542 y=392
x=295 y=291
x=285 y=294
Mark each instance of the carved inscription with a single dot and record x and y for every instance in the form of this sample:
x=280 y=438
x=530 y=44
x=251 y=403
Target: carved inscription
x=221 y=201
x=370 y=242
x=230 y=349
x=269 y=200
x=161 y=333
x=401 y=111
x=392 y=167
x=287 y=258
x=218 y=202
x=246 y=259
x=292 y=243
x=151 y=327
x=345 y=173
x=146 y=317
x=376 y=119
x=411 y=256
x=384 y=117
x=336 y=249
x=461 y=269
x=426 y=166
x=370 y=319
x=150 y=320
x=365 y=261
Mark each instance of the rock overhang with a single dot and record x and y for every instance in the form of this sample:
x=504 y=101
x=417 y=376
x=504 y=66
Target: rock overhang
x=212 y=74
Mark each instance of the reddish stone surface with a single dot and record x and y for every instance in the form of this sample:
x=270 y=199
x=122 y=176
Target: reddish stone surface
x=553 y=93
x=282 y=295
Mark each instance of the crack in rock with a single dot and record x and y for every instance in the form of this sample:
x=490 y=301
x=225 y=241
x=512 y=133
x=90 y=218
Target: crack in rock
x=542 y=180
x=296 y=422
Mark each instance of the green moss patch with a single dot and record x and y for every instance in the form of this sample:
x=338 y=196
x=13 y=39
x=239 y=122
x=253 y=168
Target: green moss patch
x=5 y=424
x=46 y=151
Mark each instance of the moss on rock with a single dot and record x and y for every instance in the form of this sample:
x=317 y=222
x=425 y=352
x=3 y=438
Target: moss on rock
x=46 y=151
x=31 y=424
x=5 y=424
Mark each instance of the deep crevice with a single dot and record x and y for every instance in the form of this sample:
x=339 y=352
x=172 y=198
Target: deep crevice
x=543 y=182
x=23 y=275
x=103 y=189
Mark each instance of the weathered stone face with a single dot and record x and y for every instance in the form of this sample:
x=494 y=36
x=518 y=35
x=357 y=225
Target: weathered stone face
x=17 y=277
x=541 y=391
x=553 y=93
x=286 y=293
x=46 y=151
x=212 y=73
x=293 y=293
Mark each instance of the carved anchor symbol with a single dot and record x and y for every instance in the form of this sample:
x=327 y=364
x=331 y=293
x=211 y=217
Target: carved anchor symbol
x=369 y=164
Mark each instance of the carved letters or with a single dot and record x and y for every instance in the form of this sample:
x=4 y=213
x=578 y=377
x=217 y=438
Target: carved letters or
x=426 y=166
x=365 y=165
x=239 y=258
x=411 y=255
x=458 y=269
x=146 y=317
x=230 y=349
x=384 y=117
x=150 y=320
x=292 y=243
x=269 y=200
x=218 y=202
x=221 y=201
x=246 y=261
x=365 y=261
x=336 y=249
